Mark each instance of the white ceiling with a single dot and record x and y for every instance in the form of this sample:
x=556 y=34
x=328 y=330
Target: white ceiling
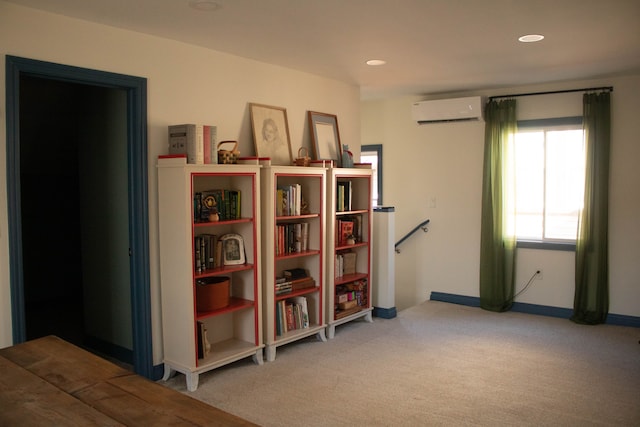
x=431 y=46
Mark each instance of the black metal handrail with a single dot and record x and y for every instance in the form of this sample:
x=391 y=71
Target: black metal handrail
x=422 y=225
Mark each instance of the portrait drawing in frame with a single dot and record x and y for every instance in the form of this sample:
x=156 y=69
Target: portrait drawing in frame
x=271 y=133
x=233 y=249
x=325 y=137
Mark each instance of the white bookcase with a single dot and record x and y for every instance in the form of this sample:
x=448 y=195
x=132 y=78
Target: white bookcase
x=235 y=330
x=349 y=281
x=280 y=253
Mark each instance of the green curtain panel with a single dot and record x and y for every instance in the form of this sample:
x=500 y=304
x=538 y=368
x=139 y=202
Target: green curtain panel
x=591 y=300
x=497 y=240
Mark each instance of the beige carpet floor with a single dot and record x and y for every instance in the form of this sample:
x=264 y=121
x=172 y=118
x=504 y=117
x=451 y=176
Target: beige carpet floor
x=440 y=364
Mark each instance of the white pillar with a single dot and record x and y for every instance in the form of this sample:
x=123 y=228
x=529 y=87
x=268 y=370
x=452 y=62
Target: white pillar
x=384 y=299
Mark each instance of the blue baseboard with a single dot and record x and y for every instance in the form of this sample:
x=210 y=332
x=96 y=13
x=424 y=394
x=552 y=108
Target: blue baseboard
x=157 y=372
x=543 y=310
x=385 y=313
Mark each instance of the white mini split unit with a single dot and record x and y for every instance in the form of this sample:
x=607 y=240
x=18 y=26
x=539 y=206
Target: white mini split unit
x=448 y=110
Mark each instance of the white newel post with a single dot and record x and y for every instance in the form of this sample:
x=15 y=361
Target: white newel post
x=384 y=300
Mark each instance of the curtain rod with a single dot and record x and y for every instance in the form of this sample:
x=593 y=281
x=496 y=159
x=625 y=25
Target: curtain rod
x=588 y=89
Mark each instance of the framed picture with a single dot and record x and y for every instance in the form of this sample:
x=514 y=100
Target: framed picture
x=325 y=137
x=232 y=249
x=271 y=133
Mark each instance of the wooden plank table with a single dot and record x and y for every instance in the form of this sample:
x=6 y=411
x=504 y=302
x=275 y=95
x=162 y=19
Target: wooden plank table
x=49 y=381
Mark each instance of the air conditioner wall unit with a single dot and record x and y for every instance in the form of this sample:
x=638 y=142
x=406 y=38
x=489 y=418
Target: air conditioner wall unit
x=448 y=110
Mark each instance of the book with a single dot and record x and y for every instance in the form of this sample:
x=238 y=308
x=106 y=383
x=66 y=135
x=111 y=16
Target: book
x=301 y=302
x=305 y=236
x=343 y=196
x=289 y=316
x=344 y=230
x=201 y=340
x=295 y=273
x=187 y=139
x=348 y=263
x=211 y=201
x=209 y=141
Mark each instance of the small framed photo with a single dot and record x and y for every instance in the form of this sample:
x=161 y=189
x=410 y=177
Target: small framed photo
x=233 y=249
x=325 y=137
x=271 y=133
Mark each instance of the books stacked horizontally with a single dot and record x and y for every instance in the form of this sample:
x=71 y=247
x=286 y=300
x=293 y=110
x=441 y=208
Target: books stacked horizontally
x=291 y=314
x=198 y=142
x=293 y=280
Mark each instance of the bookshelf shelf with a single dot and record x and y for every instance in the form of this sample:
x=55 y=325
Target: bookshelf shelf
x=234 y=305
x=233 y=331
x=285 y=248
x=349 y=215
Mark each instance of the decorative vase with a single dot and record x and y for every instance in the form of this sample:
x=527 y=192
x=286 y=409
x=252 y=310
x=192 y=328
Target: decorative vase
x=347 y=157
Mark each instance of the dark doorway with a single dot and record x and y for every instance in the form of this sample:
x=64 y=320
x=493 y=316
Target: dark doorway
x=73 y=175
x=77 y=178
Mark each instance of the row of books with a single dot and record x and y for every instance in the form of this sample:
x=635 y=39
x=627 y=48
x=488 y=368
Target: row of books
x=289 y=200
x=226 y=203
x=208 y=252
x=343 y=196
x=197 y=142
x=291 y=314
x=292 y=238
x=345 y=263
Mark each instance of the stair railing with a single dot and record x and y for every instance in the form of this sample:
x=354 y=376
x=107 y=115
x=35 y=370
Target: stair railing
x=422 y=225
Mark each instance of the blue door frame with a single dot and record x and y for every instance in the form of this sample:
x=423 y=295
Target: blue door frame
x=136 y=88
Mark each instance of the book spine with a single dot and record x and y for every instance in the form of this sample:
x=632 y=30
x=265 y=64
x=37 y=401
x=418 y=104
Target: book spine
x=187 y=139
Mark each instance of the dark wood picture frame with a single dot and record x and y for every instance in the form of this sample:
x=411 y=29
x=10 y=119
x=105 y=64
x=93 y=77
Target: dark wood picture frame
x=325 y=137
x=271 y=133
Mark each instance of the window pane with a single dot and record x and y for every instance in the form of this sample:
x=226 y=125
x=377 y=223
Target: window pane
x=372 y=157
x=565 y=183
x=529 y=154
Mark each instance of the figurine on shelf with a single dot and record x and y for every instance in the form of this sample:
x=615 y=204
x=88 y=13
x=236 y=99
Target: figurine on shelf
x=347 y=157
x=351 y=239
x=304 y=207
x=214 y=216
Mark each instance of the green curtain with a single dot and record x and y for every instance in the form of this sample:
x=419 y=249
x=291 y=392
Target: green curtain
x=591 y=300
x=497 y=236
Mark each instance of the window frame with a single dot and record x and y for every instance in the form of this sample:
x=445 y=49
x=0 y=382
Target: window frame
x=546 y=124
x=377 y=148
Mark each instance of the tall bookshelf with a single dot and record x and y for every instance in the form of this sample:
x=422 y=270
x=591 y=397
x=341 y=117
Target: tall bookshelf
x=349 y=240
x=287 y=248
x=234 y=331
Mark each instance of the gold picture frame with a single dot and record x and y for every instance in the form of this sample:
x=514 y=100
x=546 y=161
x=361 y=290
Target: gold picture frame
x=325 y=137
x=271 y=133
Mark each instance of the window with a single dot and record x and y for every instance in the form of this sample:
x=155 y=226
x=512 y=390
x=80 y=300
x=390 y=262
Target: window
x=373 y=154
x=548 y=180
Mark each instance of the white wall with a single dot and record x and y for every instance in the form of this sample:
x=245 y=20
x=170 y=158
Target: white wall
x=185 y=84
x=444 y=161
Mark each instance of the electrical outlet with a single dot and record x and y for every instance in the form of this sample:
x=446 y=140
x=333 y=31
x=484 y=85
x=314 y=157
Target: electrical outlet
x=539 y=274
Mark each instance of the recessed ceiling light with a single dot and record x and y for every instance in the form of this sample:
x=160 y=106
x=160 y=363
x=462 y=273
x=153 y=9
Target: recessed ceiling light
x=531 y=38
x=375 y=62
x=204 y=5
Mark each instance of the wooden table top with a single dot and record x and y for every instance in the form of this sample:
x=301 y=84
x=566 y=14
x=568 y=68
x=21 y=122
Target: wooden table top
x=49 y=381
